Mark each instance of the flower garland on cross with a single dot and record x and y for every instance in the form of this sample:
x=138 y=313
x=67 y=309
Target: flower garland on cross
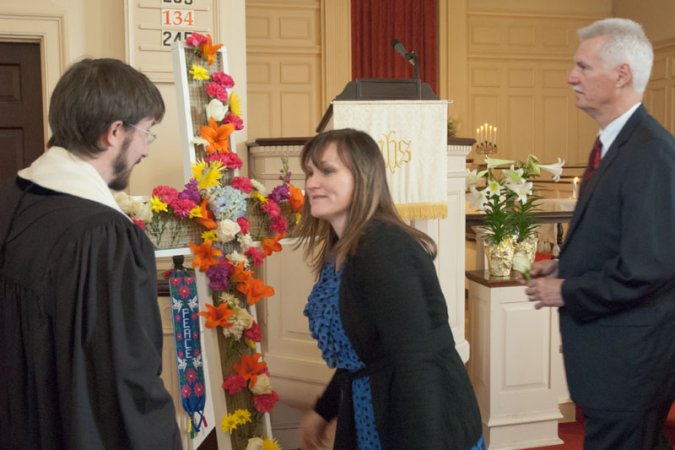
x=241 y=224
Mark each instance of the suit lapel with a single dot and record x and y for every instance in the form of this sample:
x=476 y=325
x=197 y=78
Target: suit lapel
x=605 y=165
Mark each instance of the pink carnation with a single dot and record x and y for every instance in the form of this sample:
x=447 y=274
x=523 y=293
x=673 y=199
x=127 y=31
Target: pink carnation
x=256 y=256
x=279 y=225
x=195 y=40
x=140 y=223
x=271 y=208
x=217 y=91
x=244 y=224
x=182 y=206
x=265 y=402
x=234 y=120
x=223 y=79
x=233 y=384
x=166 y=194
x=254 y=333
x=230 y=160
x=243 y=184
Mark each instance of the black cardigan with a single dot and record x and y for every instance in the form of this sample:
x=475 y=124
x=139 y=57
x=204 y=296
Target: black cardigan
x=395 y=315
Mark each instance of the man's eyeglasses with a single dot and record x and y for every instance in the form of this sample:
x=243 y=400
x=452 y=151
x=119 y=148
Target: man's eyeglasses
x=150 y=136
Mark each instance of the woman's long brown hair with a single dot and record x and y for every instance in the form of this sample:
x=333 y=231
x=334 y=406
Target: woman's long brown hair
x=371 y=199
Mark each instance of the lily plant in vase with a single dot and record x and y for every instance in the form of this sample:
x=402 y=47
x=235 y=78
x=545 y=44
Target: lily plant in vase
x=504 y=193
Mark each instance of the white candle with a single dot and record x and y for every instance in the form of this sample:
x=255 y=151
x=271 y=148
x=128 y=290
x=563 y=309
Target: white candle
x=495 y=136
x=575 y=187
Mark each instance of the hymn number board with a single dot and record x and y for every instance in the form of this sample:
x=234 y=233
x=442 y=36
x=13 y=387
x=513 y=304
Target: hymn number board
x=153 y=26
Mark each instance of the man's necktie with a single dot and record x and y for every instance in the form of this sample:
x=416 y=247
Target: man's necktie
x=593 y=163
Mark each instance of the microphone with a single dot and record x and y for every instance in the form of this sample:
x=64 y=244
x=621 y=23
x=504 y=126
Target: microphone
x=398 y=46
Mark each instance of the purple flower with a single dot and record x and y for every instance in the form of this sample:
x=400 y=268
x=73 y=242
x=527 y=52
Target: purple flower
x=218 y=276
x=279 y=193
x=190 y=192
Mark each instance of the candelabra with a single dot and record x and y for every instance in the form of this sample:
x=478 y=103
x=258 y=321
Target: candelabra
x=486 y=139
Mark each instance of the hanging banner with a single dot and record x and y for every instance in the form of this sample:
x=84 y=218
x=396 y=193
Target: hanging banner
x=185 y=308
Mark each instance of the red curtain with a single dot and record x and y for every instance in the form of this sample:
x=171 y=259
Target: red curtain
x=375 y=23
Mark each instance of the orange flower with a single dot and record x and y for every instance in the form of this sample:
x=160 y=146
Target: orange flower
x=271 y=245
x=206 y=218
x=255 y=290
x=218 y=136
x=209 y=50
x=249 y=367
x=240 y=275
x=205 y=256
x=296 y=199
x=217 y=316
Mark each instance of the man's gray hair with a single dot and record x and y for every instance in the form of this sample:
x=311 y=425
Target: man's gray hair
x=626 y=43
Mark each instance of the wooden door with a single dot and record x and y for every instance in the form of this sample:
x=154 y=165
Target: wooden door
x=22 y=137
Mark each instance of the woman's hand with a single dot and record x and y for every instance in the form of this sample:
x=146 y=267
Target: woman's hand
x=312 y=431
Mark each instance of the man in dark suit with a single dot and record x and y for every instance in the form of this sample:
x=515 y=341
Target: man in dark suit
x=615 y=280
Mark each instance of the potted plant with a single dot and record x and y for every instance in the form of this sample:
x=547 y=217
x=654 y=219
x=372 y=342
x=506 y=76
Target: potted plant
x=508 y=202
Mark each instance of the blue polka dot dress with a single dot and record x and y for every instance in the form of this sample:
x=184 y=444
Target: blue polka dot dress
x=325 y=324
x=323 y=312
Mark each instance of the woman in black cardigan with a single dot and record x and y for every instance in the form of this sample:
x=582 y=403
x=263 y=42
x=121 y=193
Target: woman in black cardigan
x=377 y=312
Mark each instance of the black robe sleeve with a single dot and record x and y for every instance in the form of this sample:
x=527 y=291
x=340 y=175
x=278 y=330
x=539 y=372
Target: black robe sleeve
x=108 y=339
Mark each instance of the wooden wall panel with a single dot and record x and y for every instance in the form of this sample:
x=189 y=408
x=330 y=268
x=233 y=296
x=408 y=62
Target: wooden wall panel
x=520 y=63
x=660 y=92
x=284 y=49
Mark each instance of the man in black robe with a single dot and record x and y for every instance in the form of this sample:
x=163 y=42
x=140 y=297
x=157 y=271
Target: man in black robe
x=79 y=322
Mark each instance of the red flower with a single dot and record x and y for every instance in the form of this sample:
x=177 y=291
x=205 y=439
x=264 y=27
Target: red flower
x=265 y=402
x=233 y=384
x=167 y=194
x=184 y=291
x=223 y=79
x=271 y=208
x=244 y=224
x=243 y=184
x=234 y=120
x=191 y=375
x=186 y=391
x=195 y=40
x=279 y=224
x=199 y=389
x=140 y=223
x=256 y=256
x=253 y=333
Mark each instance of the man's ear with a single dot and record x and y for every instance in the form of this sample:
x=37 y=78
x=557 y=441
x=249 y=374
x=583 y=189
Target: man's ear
x=624 y=76
x=113 y=135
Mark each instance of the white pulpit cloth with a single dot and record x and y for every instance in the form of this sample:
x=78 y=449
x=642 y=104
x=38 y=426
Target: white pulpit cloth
x=412 y=136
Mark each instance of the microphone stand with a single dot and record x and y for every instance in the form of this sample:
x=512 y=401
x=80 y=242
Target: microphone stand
x=415 y=62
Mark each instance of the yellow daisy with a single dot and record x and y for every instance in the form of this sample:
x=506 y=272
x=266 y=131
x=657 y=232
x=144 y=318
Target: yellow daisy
x=229 y=423
x=235 y=104
x=158 y=205
x=271 y=444
x=209 y=236
x=198 y=72
x=242 y=416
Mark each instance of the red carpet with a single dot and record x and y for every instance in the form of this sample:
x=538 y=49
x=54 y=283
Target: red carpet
x=572 y=434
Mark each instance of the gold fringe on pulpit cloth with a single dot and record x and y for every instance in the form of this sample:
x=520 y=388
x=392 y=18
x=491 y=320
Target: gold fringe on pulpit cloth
x=423 y=211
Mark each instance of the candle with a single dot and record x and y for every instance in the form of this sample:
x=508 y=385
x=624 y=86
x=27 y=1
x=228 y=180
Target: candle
x=495 y=136
x=575 y=187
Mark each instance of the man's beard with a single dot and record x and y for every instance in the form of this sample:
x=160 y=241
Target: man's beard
x=121 y=171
